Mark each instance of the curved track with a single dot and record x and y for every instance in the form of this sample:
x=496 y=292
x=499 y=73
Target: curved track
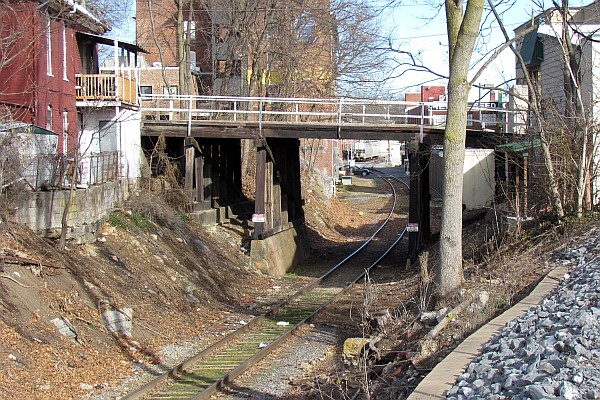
x=213 y=368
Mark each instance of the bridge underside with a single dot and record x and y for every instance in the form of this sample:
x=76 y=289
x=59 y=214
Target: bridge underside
x=212 y=154
x=269 y=201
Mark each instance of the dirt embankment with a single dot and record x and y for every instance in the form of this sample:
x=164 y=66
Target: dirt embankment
x=182 y=284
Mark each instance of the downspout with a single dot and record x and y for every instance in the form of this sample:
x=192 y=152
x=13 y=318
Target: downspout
x=115 y=74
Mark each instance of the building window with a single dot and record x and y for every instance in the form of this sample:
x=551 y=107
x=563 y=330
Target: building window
x=64 y=50
x=65 y=121
x=49 y=118
x=305 y=26
x=65 y=129
x=470 y=118
x=145 y=90
x=231 y=68
x=488 y=118
x=439 y=119
x=189 y=26
x=48 y=45
x=170 y=91
x=107 y=138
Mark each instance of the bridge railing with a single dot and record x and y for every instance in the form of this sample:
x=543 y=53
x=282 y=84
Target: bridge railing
x=491 y=116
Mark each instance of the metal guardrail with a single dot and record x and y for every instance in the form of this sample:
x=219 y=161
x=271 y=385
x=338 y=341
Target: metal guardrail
x=49 y=172
x=341 y=111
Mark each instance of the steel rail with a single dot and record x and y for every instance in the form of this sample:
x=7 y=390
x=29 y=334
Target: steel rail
x=237 y=370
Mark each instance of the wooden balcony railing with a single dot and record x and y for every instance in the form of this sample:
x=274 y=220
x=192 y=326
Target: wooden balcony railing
x=105 y=87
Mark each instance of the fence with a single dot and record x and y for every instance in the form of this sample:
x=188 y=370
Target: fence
x=52 y=172
x=342 y=111
x=105 y=87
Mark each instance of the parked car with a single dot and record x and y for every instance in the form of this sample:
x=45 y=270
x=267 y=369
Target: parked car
x=358 y=170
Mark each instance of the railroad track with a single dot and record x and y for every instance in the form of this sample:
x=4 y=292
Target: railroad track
x=215 y=367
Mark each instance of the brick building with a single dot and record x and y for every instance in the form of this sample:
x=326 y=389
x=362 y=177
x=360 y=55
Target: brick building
x=270 y=49
x=38 y=81
x=281 y=50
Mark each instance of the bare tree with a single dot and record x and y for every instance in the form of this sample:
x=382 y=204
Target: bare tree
x=463 y=28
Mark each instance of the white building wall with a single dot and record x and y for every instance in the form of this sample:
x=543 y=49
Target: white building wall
x=551 y=69
x=112 y=129
x=479 y=185
x=130 y=144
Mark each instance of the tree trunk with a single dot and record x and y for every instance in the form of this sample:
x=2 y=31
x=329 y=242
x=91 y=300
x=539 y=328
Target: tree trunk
x=64 y=227
x=462 y=33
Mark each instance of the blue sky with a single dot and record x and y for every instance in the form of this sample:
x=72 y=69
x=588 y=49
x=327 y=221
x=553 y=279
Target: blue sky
x=419 y=27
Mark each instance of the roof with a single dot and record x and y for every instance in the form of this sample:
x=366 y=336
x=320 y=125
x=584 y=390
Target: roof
x=521 y=148
x=108 y=41
x=532 y=50
x=22 y=127
x=78 y=13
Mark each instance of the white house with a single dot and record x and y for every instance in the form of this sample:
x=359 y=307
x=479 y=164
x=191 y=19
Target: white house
x=109 y=115
x=544 y=57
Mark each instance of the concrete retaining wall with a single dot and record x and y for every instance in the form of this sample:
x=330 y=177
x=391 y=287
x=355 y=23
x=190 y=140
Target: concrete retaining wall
x=279 y=253
x=42 y=211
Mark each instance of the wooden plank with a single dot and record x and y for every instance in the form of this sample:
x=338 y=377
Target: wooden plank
x=208 y=189
x=269 y=210
x=420 y=199
x=199 y=164
x=259 y=201
x=414 y=208
x=215 y=160
x=189 y=173
x=284 y=207
x=295 y=199
x=277 y=201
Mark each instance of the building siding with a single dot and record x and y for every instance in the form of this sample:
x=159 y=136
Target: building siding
x=28 y=90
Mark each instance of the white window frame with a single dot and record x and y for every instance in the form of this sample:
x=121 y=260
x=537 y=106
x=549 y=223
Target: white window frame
x=192 y=26
x=170 y=91
x=64 y=43
x=489 y=118
x=65 y=129
x=48 y=45
x=66 y=121
x=49 y=118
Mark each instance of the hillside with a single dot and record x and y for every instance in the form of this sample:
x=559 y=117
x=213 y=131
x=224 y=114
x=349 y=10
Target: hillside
x=183 y=285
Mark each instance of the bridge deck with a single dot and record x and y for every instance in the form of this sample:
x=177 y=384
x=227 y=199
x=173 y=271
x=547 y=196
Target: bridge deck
x=247 y=117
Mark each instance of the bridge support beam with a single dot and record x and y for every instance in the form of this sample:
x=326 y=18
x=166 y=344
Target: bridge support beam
x=213 y=174
x=280 y=240
x=420 y=199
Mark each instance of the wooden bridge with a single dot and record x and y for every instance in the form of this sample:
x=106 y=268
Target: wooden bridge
x=249 y=117
x=206 y=132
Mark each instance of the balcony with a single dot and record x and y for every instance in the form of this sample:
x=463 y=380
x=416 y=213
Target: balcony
x=97 y=88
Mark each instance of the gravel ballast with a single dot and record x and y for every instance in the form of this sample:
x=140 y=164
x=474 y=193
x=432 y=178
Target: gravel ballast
x=553 y=350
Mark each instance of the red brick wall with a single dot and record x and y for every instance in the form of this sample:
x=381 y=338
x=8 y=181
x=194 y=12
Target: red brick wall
x=26 y=88
x=432 y=93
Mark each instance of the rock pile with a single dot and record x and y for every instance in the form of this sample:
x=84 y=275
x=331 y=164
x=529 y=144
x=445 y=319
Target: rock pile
x=553 y=350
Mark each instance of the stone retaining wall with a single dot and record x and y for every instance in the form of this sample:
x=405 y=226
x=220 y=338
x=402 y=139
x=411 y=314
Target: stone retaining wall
x=42 y=211
x=281 y=252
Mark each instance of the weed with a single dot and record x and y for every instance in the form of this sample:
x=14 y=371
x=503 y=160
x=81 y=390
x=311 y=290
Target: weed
x=140 y=221
x=185 y=218
x=116 y=220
